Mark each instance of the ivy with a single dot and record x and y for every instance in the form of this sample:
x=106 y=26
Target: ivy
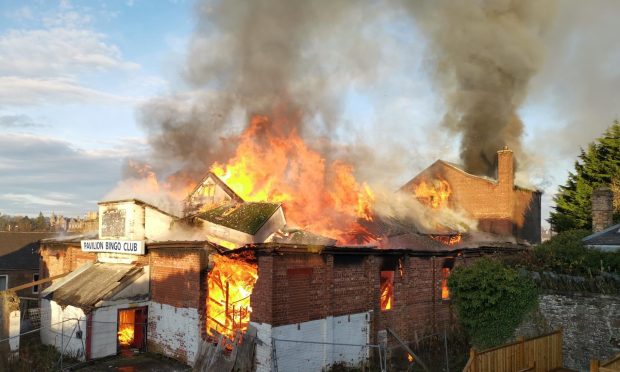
x=491 y=300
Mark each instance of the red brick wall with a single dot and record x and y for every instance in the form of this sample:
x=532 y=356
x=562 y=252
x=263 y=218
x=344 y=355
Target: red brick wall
x=499 y=207
x=56 y=260
x=295 y=288
x=175 y=277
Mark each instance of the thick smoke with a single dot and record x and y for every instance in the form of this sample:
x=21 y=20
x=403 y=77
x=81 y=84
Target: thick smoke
x=485 y=54
x=253 y=58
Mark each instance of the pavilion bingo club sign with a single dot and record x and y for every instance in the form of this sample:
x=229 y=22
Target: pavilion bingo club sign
x=114 y=246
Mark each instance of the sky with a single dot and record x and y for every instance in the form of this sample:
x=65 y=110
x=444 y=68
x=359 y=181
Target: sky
x=75 y=74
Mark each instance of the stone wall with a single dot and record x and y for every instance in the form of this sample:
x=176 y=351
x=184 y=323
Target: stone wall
x=590 y=320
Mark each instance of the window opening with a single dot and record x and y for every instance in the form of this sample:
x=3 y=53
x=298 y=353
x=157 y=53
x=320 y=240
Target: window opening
x=387 y=290
x=446 y=269
x=4 y=282
x=35 y=288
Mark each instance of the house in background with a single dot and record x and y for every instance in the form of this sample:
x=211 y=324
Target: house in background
x=606 y=235
x=19 y=260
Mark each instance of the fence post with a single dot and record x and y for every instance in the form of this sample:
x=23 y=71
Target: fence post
x=522 y=352
x=594 y=365
x=473 y=357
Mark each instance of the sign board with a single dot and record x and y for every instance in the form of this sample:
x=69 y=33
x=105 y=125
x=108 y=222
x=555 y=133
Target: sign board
x=114 y=246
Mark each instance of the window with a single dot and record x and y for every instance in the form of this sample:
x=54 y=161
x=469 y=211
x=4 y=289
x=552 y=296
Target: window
x=445 y=274
x=35 y=288
x=387 y=290
x=4 y=282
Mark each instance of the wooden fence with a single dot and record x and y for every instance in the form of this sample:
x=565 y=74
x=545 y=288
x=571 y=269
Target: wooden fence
x=538 y=354
x=612 y=365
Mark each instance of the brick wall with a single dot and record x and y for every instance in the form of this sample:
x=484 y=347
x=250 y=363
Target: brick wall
x=499 y=206
x=57 y=259
x=296 y=288
x=176 y=277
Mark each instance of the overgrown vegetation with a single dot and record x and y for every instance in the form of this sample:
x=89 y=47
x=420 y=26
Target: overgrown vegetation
x=34 y=356
x=598 y=165
x=566 y=254
x=491 y=300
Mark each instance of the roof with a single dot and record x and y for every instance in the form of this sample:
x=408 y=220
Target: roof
x=246 y=217
x=218 y=181
x=138 y=202
x=298 y=236
x=20 y=250
x=77 y=238
x=610 y=237
x=97 y=282
x=460 y=169
x=280 y=248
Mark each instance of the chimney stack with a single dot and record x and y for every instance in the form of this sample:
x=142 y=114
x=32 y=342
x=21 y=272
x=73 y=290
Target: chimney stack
x=505 y=167
x=602 y=208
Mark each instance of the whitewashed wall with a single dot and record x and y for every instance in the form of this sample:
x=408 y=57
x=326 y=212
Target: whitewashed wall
x=175 y=330
x=59 y=327
x=303 y=356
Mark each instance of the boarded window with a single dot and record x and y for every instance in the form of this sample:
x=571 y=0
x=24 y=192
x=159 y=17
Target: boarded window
x=387 y=290
x=299 y=281
x=113 y=223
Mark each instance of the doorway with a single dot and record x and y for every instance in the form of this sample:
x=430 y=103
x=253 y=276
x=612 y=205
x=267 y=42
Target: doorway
x=131 y=332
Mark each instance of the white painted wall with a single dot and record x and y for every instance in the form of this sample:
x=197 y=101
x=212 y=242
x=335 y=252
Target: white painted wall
x=303 y=356
x=175 y=328
x=157 y=224
x=141 y=221
x=14 y=327
x=59 y=327
x=273 y=224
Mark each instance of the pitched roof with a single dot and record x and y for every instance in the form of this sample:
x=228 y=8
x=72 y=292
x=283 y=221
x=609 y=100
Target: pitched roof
x=233 y=195
x=95 y=283
x=20 y=250
x=460 y=169
x=608 y=237
x=246 y=217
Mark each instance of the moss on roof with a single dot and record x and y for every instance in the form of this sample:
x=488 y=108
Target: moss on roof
x=245 y=217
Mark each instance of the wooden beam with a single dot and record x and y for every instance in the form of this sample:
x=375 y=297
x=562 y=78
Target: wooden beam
x=32 y=284
x=407 y=349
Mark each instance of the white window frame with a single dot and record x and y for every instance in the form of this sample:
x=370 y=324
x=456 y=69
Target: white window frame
x=6 y=281
x=35 y=286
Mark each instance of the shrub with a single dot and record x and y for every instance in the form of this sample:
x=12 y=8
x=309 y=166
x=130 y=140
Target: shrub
x=491 y=300
x=566 y=254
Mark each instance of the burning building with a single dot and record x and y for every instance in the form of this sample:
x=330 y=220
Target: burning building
x=232 y=271
x=499 y=206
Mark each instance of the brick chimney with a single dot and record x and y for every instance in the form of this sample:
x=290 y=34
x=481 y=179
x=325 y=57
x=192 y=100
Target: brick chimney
x=505 y=168
x=602 y=208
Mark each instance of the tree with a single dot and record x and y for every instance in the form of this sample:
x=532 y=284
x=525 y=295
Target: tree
x=597 y=166
x=491 y=300
x=39 y=223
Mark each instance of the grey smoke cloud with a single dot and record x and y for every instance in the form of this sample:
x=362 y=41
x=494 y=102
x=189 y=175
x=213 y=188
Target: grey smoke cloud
x=260 y=57
x=484 y=56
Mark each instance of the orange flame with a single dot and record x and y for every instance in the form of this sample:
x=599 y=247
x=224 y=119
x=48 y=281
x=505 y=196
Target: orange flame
x=452 y=239
x=126 y=327
x=273 y=163
x=230 y=285
x=445 y=291
x=387 y=289
x=434 y=194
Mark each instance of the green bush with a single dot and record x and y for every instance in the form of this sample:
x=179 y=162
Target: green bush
x=566 y=254
x=491 y=300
